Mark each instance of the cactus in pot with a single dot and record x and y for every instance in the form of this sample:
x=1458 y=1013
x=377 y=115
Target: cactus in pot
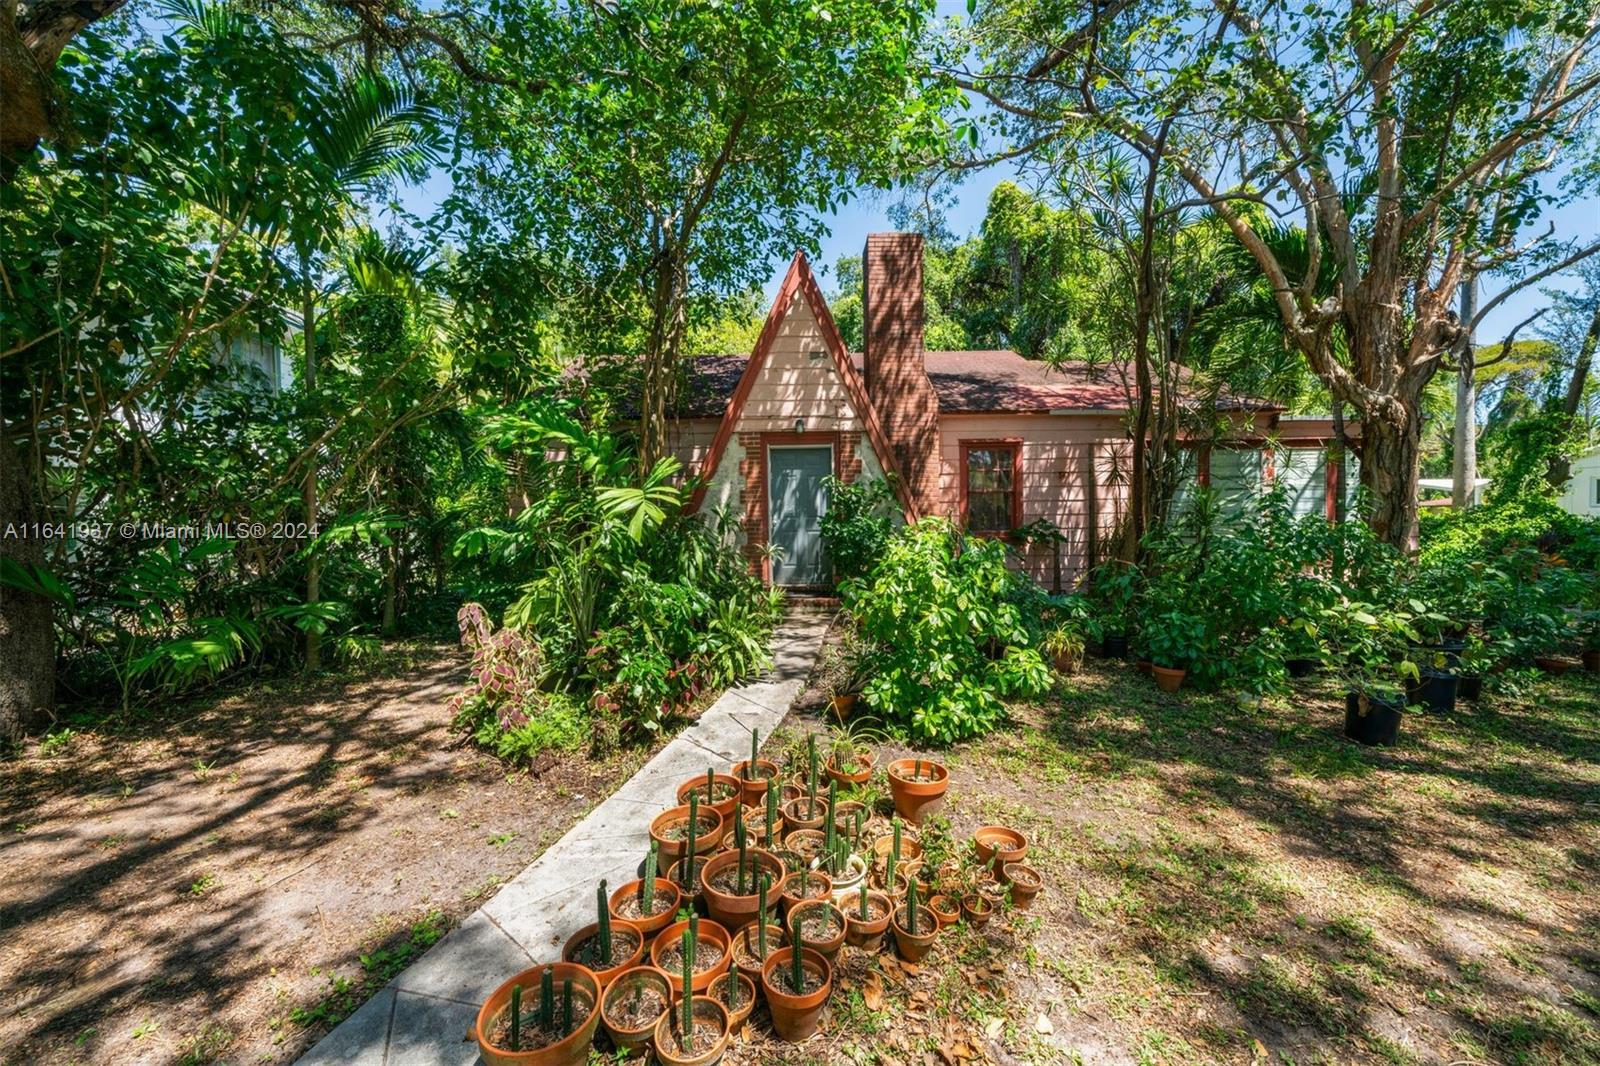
x=690 y=937
x=516 y=1018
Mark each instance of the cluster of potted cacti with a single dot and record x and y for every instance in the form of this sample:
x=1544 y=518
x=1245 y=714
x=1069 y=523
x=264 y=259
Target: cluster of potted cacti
x=770 y=875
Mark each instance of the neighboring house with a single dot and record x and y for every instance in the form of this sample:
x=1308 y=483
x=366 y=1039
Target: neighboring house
x=988 y=438
x=1582 y=494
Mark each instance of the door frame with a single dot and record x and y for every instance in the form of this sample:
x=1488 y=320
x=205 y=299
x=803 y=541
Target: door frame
x=769 y=442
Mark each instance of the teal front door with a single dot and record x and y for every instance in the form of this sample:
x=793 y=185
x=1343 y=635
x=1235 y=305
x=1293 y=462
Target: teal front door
x=796 y=500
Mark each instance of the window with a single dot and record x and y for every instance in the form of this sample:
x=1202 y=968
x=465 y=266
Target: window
x=1303 y=472
x=1236 y=478
x=1594 y=493
x=991 y=485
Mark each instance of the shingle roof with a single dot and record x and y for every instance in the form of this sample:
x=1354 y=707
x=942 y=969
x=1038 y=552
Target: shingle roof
x=995 y=381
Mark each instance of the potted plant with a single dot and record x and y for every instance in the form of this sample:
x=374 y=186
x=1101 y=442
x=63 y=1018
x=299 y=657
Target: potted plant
x=1589 y=638
x=808 y=885
x=797 y=982
x=607 y=946
x=710 y=943
x=1301 y=650
x=850 y=757
x=1114 y=588
x=1063 y=644
x=695 y=1032
x=730 y=881
x=1173 y=638
x=914 y=926
x=671 y=830
x=1436 y=683
x=976 y=909
x=823 y=924
x=753 y=943
x=755 y=774
x=867 y=919
x=843 y=674
x=1479 y=656
x=632 y=1004
x=946 y=909
x=992 y=843
x=721 y=792
x=918 y=787
x=650 y=902
x=1025 y=882
x=1368 y=648
x=736 y=991
x=553 y=1026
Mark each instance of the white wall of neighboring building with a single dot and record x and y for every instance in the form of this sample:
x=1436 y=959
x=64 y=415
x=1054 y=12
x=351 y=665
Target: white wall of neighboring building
x=1582 y=494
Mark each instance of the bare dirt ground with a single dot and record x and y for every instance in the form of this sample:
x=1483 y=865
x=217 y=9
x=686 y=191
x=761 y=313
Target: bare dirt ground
x=224 y=882
x=1232 y=884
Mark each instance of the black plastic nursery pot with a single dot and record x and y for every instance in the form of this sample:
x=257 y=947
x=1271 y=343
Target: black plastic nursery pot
x=1436 y=690
x=1300 y=667
x=1114 y=646
x=1469 y=687
x=1370 y=719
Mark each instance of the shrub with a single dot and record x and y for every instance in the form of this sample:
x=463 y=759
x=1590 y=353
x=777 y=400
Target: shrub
x=856 y=525
x=945 y=637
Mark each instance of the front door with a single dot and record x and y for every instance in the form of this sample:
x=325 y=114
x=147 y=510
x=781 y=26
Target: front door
x=796 y=499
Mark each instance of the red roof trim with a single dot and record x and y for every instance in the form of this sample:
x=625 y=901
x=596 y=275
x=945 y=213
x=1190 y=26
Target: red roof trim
x=800 y=280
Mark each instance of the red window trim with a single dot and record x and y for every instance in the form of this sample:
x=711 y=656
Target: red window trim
x=764 y=533
x=1015 y=444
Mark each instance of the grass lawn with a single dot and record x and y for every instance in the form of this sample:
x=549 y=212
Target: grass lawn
x=222 y=881
x=1244 y=885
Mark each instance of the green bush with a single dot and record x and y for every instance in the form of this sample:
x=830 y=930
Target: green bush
x=856 y=525
x=945 y=632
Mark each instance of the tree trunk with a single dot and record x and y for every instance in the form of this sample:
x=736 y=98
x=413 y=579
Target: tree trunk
x=1464 y=443
x=1560 y=466
x=27 y=628
x=29 y=48
x=1391 y=455
x=662 y=348
x=391 y=570
x=308 y=488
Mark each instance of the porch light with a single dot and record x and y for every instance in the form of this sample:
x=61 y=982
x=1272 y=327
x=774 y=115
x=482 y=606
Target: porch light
x=799 y=425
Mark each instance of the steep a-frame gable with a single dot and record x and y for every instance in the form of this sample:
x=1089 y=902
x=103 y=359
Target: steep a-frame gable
x=761 y=404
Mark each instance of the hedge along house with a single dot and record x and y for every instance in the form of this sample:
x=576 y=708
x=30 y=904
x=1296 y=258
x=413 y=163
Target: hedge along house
x=988 y=438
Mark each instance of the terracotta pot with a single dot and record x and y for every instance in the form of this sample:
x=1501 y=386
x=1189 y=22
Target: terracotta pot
x=667 y=900
x=673 y=848
x=755 y=827
x=1168 y=680
x=859 y=771
x=916 y=800
x=800 y=814
x=633 y=1037
x=843 y=704
x=867 y=934
x=577 y=941
x=910 y=845
x=730 y=909
x=571 y=1050
x=1025 y=882
x=795 y=1017
x=1000 y=843
x=1554 y=665
x=844 y=819
x=707 y=1012
x=718 y=992
x=1591 y=660
x=913 y=946
x=1066 y=663
x=1146 y=667
x=724 y=782
x=806 y=843
x=813 y=884
x=747 y=957
x=945 y=908
x=793 y=861
x=690 y=896
x=672 y=937
x=976 y=910
x=909 y=869
x=755 y=788
x=815 y=915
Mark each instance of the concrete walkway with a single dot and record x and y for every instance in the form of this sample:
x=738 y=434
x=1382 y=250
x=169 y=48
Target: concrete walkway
x=424 y=1016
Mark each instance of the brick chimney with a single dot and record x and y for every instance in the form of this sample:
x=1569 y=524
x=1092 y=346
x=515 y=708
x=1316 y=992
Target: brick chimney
x=895 y=374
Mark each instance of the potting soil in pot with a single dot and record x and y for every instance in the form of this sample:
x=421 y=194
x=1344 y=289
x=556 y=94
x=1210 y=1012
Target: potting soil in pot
x=706 y=1034
x=534 y=1035
x=680 y=830
x=706 y=957
x=623 y=945
x=637 y=1009
x=630 y=912
x=820 y=923
x=726 y=880
x=722 y=791
x=782 y=976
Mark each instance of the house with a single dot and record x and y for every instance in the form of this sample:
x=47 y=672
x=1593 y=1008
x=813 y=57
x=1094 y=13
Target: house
x=1582 y=492
x=988 y=438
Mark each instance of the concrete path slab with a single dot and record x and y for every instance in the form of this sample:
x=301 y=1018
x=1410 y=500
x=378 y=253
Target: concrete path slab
x=423 y=1017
